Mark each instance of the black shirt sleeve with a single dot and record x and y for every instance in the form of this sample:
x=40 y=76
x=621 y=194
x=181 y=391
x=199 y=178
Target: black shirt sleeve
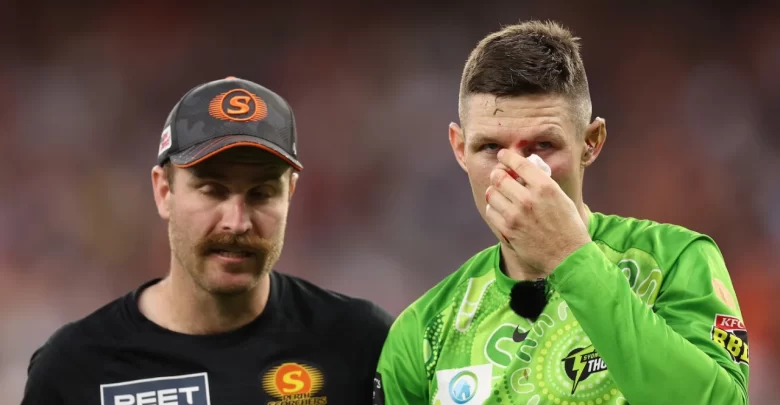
x=45 y=371
x=375 y=323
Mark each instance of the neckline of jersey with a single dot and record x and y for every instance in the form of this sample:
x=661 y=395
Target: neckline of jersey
x=236 y=335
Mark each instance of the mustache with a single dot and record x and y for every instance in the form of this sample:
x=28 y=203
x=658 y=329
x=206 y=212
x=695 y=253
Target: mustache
x=248 y=243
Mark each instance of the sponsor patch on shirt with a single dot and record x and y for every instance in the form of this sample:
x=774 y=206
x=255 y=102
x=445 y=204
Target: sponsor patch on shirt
x=190 y=389
x=379 y=392
x=464 y=386
x=730 y=333
x=295 y=383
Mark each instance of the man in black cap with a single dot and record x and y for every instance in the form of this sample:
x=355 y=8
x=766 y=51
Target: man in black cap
x=222 y=327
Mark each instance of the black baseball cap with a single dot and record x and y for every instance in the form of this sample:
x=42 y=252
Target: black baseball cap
x=215 y=116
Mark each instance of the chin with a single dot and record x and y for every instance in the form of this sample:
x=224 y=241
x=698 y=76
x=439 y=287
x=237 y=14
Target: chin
x=221 y=282
x=229 y=289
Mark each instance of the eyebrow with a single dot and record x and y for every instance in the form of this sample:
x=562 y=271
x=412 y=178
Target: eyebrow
x=549 y=132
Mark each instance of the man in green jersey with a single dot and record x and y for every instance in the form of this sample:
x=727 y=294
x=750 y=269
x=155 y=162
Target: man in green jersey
x=637 y=312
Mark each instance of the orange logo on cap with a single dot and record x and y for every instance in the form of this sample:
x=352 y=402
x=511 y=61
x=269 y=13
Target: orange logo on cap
x=238 y=105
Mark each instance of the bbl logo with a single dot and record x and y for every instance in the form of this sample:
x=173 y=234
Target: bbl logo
x=463 y=387
x=581 y=363
x=730 y=333
x=294 y=384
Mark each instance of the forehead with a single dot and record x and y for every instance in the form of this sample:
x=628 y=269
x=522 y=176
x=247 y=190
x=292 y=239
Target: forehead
x=486 y=114
x=240 y=161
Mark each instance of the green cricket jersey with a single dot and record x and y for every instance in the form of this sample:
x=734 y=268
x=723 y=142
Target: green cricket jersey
x=644 y=314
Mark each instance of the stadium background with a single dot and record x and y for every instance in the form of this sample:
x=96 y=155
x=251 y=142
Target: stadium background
x=690 y=91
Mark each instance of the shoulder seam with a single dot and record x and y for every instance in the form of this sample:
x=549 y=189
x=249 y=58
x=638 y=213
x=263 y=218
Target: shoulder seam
x=694 y=236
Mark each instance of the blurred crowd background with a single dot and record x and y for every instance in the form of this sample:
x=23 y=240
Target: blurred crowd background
x=690 y=91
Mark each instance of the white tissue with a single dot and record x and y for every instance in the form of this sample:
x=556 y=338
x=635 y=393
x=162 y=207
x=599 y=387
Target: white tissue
x=540 y=164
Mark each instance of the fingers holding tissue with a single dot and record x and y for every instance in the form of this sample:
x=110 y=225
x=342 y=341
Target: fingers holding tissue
x=512 y=191
x=538 y=162
x=501 y=203
x=534 y=216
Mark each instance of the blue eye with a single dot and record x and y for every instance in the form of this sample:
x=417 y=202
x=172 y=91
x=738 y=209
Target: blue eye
x=491 y=147
x=544 y=145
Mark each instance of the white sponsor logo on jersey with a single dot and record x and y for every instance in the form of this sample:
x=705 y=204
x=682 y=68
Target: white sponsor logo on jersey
x=464 y=386
x=191 y=389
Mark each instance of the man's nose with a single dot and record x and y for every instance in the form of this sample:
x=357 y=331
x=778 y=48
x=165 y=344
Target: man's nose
x=235 y=218
x=522 y=147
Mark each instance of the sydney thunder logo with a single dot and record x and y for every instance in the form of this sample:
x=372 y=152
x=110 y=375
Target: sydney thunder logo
x=581 y=363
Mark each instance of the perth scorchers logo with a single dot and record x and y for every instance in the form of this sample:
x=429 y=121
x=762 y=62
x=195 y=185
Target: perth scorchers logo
x=730 y=333
x=295 y=384
x=238 y=105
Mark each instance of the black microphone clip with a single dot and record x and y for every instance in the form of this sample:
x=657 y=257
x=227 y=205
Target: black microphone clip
x=528 y=298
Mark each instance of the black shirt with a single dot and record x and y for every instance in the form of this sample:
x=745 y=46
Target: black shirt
x=310 y=346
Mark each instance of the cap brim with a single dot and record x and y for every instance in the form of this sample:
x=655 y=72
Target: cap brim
x=202 y=151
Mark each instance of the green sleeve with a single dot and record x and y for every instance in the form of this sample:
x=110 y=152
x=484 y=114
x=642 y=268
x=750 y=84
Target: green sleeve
x=665 y=354
x=401 y=377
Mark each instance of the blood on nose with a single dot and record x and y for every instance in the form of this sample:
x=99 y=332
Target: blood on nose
x=521 y=148
x=522 y=144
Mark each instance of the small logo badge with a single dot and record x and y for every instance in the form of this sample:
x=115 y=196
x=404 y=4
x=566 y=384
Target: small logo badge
x=295 y=384
x=192 y=389
x=730 y=333
x=722 y=292
x=581 y=363
x=165 y=140
x=518 y=337
x=238 y=105
x=379 y=391
x=464 y=386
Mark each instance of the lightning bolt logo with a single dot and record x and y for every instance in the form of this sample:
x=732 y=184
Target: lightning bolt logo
x=579 y=364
